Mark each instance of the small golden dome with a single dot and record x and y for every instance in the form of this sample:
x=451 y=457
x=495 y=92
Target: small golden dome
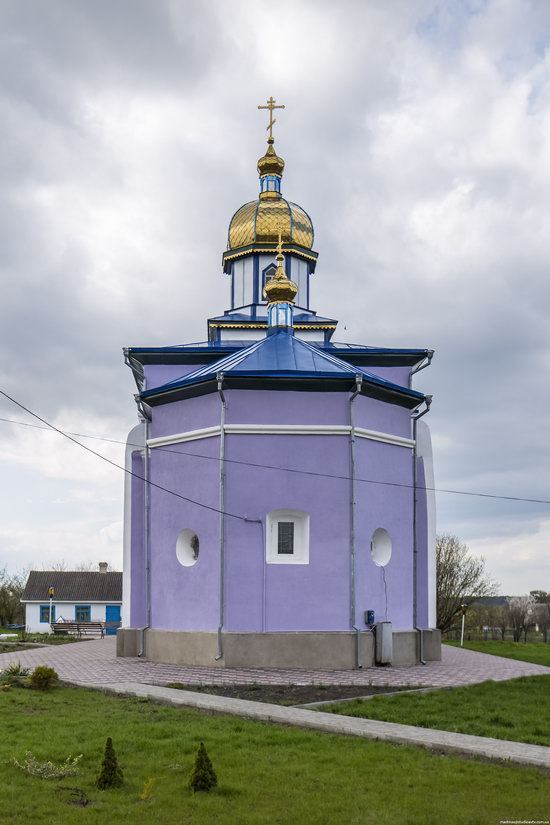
x=262 y=221
x=271 y=163
x=279 y=287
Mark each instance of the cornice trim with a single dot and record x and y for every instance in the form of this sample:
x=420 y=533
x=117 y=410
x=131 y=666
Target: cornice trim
x=281 y=429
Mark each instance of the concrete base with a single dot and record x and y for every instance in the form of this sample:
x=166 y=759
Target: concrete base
x=299 y=650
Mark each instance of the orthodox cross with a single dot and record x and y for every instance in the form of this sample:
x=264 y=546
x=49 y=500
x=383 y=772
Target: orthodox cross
x=271 y=105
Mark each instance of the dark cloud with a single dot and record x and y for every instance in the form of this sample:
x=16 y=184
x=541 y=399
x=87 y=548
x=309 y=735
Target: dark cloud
x=416 y=137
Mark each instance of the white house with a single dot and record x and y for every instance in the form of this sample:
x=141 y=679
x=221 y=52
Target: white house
x=82 y=596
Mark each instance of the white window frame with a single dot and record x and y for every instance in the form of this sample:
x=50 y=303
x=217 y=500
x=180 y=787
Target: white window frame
x=301 y=537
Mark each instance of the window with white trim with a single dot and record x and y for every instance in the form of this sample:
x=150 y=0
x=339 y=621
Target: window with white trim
x=287 y=537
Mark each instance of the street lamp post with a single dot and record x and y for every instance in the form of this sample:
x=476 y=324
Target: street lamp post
x=463 y=607
x=51 y=594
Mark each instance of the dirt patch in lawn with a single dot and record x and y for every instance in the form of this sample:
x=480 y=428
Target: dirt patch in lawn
x=288 y=694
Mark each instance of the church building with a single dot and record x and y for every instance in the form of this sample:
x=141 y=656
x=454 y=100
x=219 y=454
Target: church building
x=279 y=499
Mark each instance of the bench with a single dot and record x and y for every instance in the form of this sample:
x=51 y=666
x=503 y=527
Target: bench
x=80 y=628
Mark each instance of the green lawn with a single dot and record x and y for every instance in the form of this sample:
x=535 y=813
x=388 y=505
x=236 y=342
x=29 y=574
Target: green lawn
x=267 y=774
x=518 y=709
x=536 y=652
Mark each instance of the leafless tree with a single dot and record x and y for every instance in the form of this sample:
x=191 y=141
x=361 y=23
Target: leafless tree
x=461 y=579
x=521 y=615
x=542 y=618
x=11 y=590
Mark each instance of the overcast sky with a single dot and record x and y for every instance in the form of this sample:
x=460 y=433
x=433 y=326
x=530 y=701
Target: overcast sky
x=416 y=134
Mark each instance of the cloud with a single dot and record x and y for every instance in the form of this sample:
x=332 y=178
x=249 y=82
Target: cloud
x=415 y=134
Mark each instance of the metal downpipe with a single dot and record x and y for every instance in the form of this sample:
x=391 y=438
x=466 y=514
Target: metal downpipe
x=353 y=618
x=415 y=419
x=219 y=654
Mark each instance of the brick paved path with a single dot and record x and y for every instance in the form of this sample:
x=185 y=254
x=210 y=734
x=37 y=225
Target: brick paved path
x=94 y=662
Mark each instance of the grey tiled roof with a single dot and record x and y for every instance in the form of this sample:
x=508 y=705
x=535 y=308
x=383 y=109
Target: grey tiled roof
x=73 y=586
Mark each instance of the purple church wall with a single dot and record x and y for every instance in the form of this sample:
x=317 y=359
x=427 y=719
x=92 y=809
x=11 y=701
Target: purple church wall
x=398 y=375
x=272 y=597
x=182 y=416
x=382 y=417
x=137 y=553
x=287 y=596
x=158 y=374
x=265 y=407
x=185 y=597
x=380 y=504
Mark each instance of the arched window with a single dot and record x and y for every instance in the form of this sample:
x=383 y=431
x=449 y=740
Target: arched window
x=287 y=537
x=267 y=274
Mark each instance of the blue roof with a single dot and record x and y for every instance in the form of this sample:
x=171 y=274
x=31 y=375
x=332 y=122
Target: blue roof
x=281 y=355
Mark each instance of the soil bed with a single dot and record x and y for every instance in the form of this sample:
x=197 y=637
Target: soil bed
x=288 y=694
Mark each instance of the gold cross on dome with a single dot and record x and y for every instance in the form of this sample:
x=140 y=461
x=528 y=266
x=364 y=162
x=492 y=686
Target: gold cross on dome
x=271 y=105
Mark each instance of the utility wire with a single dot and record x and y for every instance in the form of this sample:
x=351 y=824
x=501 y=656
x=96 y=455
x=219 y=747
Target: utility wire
x=264 y=466
x=119 y=466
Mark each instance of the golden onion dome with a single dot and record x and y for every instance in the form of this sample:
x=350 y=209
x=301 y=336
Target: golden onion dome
x=279 y=288
x=262 y=221
x=271 y=163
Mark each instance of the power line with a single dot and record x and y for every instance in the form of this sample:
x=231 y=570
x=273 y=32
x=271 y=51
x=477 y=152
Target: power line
x=315 y=473
x=119 y=466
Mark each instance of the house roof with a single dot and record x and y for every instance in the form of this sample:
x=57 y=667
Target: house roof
x=282 y=361
x=73 y=586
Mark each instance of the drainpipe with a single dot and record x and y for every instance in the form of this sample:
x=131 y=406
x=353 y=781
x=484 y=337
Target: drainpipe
x=353 y=621
x=219 y=378
x=415 y=419
x=147 y=534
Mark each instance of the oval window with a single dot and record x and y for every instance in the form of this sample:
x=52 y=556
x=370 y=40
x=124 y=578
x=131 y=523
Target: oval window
x=380 y=547
x=187 y=548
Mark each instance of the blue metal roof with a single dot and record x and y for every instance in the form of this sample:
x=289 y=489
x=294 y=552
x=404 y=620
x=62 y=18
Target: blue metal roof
x=280 y=355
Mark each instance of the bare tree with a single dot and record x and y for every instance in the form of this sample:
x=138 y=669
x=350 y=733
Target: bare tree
x=542 y=611
x=542 y=618
x=521 y=615
x=461 y=579
x=11 y=590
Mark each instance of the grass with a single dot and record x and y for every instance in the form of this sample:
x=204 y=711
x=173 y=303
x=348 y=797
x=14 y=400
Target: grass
x=536 y=652
x=518 y=709
x=268 y=775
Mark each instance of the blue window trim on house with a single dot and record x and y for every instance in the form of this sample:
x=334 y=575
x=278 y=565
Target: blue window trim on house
x=82 y=613
x=45 y=613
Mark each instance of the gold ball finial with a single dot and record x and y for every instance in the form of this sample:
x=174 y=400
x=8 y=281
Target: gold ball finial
x=280 y=288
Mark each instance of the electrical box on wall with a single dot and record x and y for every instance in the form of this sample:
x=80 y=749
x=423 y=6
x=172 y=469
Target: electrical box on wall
x=383 y=643
x=369 y=617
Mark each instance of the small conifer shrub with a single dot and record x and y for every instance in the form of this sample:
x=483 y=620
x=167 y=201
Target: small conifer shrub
x=43 y=677
x=111 y=775
x=203 y=775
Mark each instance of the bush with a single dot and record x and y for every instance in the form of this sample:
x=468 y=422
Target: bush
x=47 y=769
x=43 y=677
x=14 y=676
x=203 y=776
x=111 y=775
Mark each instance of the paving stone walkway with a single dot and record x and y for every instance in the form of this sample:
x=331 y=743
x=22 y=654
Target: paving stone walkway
x=94 y=664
